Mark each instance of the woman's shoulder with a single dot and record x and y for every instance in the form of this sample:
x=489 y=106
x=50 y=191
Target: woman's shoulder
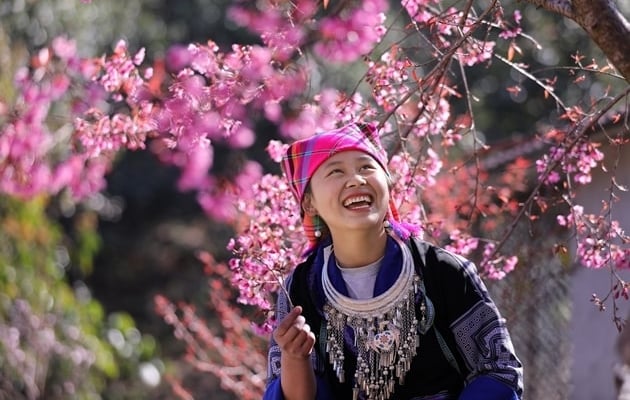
x=439 y=260
x=444 y=268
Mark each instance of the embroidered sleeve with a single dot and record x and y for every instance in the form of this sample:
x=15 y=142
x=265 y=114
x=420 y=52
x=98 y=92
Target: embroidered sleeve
x=273 y=358
x=479 y=330
x=274 y=391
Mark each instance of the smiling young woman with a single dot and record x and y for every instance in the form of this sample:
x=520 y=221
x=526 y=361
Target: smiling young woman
x=379 y=313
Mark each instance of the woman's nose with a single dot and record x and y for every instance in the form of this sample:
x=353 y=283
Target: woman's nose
x=356 y=180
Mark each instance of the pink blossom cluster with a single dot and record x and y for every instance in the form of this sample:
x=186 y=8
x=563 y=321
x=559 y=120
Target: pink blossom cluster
x=38 y=153
x=462 y=243
x=282 y=25
x=210 y=98
x=276 y=150
x=102 y=134
x=496 y=266
x=576 y=162
x=352 y=33
x=120 y=75
x=473 y=50
x=600 y=241
x=493 y=265
x=325 y=111
x=220 y=196
x=404 y=191
x=388 y=78
x=419 y=10
x=585 y=156
x=476 y=51
x=511 y=30
x=342 y=37
x=433 y=116
x=187 y=120
x=270 y=244
x=207 y=102
x=411 y=175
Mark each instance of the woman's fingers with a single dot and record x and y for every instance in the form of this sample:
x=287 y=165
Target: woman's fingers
x=288 y=322
x=308 y=343
x=301 y=344
x=294 y=335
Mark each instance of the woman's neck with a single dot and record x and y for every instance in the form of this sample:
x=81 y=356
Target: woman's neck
x=358 y=249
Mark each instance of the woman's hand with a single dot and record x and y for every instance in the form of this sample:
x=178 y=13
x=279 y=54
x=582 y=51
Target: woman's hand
x=296 y=342
x=294 y=335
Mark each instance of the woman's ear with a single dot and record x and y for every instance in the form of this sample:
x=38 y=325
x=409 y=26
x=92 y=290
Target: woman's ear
x=390 y=182
x=307 y=205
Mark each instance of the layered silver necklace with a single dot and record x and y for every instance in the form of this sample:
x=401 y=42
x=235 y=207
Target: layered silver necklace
x=385 y=330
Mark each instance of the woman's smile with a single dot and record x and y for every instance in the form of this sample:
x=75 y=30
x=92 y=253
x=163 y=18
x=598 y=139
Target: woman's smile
x=358 y=202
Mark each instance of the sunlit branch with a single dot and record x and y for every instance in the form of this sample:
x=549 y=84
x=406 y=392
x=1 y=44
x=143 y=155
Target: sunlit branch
x=548 y=89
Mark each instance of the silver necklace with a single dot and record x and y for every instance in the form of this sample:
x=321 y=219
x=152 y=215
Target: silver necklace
x=385 y=330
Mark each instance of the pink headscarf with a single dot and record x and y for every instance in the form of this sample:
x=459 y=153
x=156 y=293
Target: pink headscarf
x=303 y=157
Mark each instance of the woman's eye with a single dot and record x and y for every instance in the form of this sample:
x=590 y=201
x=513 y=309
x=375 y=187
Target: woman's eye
x=334 y=171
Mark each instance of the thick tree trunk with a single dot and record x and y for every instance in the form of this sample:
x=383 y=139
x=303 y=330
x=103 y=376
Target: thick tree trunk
x=603 y=22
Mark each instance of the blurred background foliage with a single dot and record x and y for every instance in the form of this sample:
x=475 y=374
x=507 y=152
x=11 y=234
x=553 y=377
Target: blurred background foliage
x=56 y=341
x=77 y=280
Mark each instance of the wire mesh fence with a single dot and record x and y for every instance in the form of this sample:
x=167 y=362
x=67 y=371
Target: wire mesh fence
x=535 y=301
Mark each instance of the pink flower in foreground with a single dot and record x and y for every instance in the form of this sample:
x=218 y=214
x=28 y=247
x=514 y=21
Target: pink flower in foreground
x=177 y=58
x=276 y=150
x=417 y=9
x=347 y=37
x=271 y=243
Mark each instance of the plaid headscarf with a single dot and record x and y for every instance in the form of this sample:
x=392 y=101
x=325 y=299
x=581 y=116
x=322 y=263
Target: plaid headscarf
x=303 y=157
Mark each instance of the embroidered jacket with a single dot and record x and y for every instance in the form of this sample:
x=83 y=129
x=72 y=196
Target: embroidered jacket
x=465 y=351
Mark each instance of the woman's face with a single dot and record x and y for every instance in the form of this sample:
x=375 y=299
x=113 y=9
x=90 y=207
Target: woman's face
x=349 y=191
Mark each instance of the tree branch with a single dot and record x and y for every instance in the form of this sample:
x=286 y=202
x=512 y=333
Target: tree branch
x=608 y=28
x=602 y=21
x=577 y=132
x=562 y=7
